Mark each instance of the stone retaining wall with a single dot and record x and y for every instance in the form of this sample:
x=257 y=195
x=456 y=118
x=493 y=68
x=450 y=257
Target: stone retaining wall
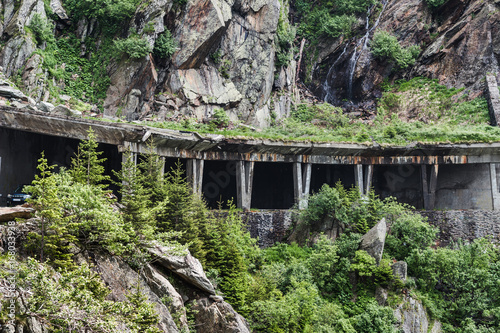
x=271 y=227
x=465 y=224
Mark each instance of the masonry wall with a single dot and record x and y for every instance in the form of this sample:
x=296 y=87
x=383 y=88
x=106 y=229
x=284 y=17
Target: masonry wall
x=465 y=224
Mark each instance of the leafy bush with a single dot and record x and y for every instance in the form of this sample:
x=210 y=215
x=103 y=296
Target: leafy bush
x=285 y=35
x=386 y=46
x=346 y=206
x=435 y=3
x=42 y=29
x=219 y=118
x=165 y=45
x=110 y=13
x=329 y=18
x=134 y=46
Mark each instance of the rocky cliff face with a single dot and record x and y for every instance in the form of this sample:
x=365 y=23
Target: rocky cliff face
x=226 y=55
x=459 y=44
x=224 y=58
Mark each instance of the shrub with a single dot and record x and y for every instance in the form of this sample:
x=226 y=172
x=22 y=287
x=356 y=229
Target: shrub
x=386 y=46
x=42 y=29
x=110 y=13
x=435 y=3
x=134 y=46
x=165 y=45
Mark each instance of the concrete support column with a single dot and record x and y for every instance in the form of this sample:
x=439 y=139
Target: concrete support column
x=495 y=194
x=301 y=183
x=162 y=171
x=195 y=174
x=358 y=177
x=363 y=178
x=244 y=180
x=429 y=186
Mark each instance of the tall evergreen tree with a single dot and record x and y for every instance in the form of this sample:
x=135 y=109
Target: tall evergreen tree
x=183 y=211
x=136 y=198
x=54 y=238
x=86 y=166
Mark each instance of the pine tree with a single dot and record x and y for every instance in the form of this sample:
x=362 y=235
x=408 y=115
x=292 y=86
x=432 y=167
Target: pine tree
x=86 y=166
x=54 y=238
x=182 y=211
x=136 y=197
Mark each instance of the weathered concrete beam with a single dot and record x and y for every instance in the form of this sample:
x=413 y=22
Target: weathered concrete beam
x=429 y=186
x=493 y=97
x=69 y=127
x=244 y=182
x=301 y=183
x=195 y=175
x=495 y=194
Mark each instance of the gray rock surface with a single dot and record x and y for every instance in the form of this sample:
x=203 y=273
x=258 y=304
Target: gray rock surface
x=65 y=111
x=121 y=280
x=493 y=97
x=200 y=28
x=219 y=317
x=160 y=285
x=400 y=270
x=374 y=240
x=186 y=267
x=412 y=318
x=45 y=106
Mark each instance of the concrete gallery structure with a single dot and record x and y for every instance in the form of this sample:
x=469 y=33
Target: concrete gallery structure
x=260 y=173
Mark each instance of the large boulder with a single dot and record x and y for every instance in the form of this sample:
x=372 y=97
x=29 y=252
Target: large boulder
x=219 y=317
x=201 y=27
x=12 y=213
x=186 y=267
x=374 y=240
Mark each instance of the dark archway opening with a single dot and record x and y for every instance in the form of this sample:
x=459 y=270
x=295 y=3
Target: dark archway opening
x=219 y=183
x=404 y=182
x=272 y=186
x=330 y=174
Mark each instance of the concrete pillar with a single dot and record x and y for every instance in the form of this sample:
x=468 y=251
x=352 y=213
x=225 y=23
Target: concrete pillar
x=301 y=183
x=162 y=171
x=244 y=180
x=495 y=194
x=368 y=178
x=493 y=97
x=195 y=174
x=429 y=186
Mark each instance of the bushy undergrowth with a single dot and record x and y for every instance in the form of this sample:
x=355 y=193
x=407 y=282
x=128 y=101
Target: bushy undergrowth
x=386 y=46
x=329 y=18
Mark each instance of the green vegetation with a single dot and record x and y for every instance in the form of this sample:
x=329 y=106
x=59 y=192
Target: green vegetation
x=329 y=18
x=134 y=46
x=386 y=46
x=111 y=14
x=41 y=29
x=418 y=110
x=165 y=45
x=284 y=38
x=321 y=286
x=435 y=3
x=80 y=77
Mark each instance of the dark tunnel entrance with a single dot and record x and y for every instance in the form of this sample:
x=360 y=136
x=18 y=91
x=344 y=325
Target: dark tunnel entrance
x=20 y=151
x=331 y=174
x=272 y=186
x=400 y=181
